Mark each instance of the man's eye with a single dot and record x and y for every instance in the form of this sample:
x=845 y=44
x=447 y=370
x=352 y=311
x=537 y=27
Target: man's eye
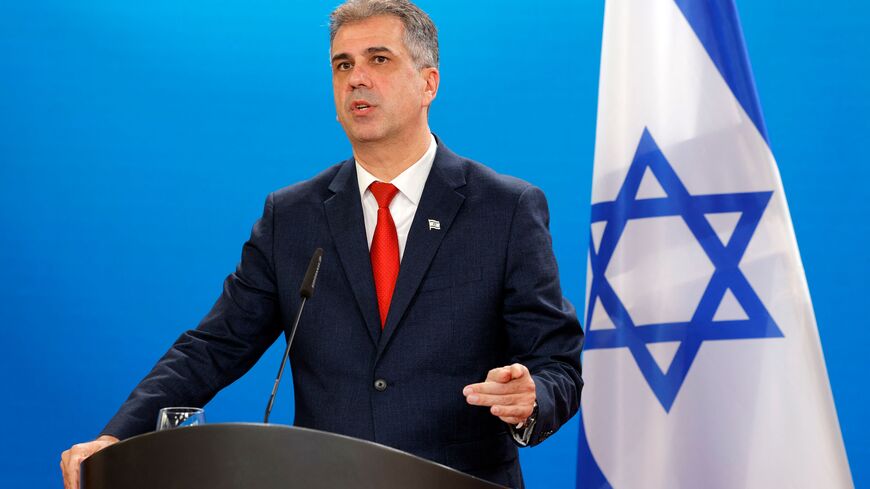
x=379 y=60
x=343 y=66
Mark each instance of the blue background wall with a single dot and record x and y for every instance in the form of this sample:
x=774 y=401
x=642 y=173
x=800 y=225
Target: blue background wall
x=139 y=139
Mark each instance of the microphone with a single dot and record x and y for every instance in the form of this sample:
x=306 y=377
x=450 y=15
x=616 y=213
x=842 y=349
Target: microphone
x=305 y=291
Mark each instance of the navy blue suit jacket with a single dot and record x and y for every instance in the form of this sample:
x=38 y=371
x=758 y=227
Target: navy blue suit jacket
x=480 y=292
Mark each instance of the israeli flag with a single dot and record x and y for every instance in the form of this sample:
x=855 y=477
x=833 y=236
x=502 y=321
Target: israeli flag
x=703 y=362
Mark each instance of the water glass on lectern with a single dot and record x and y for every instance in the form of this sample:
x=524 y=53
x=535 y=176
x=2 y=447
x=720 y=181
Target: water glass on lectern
x=178 y=417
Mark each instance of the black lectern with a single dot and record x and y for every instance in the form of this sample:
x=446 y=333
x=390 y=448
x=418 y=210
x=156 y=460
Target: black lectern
x=258 y=456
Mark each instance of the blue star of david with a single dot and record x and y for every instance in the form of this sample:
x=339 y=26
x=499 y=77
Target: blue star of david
x=724 y=256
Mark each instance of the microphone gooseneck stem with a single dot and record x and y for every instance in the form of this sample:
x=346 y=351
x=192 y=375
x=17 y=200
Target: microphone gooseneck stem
x=283 y=361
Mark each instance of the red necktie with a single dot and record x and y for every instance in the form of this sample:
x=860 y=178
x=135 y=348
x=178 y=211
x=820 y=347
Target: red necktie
x=385 y=248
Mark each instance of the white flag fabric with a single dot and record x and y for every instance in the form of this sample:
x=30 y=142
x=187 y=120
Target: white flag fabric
x=703 y=364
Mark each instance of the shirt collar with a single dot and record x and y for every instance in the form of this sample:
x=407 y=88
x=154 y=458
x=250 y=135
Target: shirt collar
x=410 y=182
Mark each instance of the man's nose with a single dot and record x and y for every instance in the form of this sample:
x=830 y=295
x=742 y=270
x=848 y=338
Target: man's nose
x=359 y=77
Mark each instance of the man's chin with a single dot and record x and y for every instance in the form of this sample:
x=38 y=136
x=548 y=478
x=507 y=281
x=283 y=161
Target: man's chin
x=366 y=136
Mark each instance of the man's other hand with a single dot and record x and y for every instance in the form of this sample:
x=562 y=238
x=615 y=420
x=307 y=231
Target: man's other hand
x=508 y=391
x=70 y=459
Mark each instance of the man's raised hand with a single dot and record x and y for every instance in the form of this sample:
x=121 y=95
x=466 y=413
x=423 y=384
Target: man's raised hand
x=508 y=391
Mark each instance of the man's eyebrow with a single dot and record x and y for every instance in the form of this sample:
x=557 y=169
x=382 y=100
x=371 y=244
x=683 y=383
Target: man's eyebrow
x=378 y=49
x=371 y=50
x=342 y=56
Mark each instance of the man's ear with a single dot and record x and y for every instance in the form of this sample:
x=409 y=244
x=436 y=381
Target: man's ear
x=432 y=79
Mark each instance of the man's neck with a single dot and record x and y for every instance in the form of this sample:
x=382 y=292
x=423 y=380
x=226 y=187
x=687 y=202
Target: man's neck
x=386 y=160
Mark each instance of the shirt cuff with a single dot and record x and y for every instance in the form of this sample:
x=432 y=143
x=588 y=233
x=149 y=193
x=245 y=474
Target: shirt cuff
x=523 y=433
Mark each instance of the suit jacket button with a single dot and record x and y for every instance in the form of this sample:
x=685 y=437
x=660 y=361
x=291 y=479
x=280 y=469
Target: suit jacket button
x=380 y=385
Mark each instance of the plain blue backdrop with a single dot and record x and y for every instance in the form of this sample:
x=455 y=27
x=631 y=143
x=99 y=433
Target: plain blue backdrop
x=139 y=139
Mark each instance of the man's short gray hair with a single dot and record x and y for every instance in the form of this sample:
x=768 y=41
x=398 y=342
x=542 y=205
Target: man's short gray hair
x=421 y=36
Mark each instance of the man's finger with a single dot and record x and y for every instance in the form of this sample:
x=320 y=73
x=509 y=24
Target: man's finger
x=494 y=399
x=70 y=473
x=73 y=470
x=512 y=421
x=518 y=371
x=63 y=474
x=64 y=463
x=509 y=411
x=490 y=388
x=501 y=374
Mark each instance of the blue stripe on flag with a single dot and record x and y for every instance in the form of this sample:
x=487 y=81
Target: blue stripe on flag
x=589 y=475
x=717 y=25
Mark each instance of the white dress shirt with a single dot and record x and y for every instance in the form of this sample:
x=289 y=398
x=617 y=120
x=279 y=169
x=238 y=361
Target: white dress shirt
x=404 y=205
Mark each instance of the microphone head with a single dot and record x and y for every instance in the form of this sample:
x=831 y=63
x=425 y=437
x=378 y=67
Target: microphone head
x=307 y=289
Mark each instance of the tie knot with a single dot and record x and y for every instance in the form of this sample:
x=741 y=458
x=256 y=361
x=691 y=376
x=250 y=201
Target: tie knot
x=384 y=193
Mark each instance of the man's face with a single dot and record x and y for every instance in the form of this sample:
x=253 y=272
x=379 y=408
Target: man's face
x=379 y=93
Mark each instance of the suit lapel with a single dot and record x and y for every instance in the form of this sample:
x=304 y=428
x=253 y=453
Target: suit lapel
x=345 y=216
x=439 y=202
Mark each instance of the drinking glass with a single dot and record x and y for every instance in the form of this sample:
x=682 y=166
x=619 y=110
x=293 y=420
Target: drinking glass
x=178 y=417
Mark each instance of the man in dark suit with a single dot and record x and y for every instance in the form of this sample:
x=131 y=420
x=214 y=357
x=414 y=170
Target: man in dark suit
x=438 y=326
